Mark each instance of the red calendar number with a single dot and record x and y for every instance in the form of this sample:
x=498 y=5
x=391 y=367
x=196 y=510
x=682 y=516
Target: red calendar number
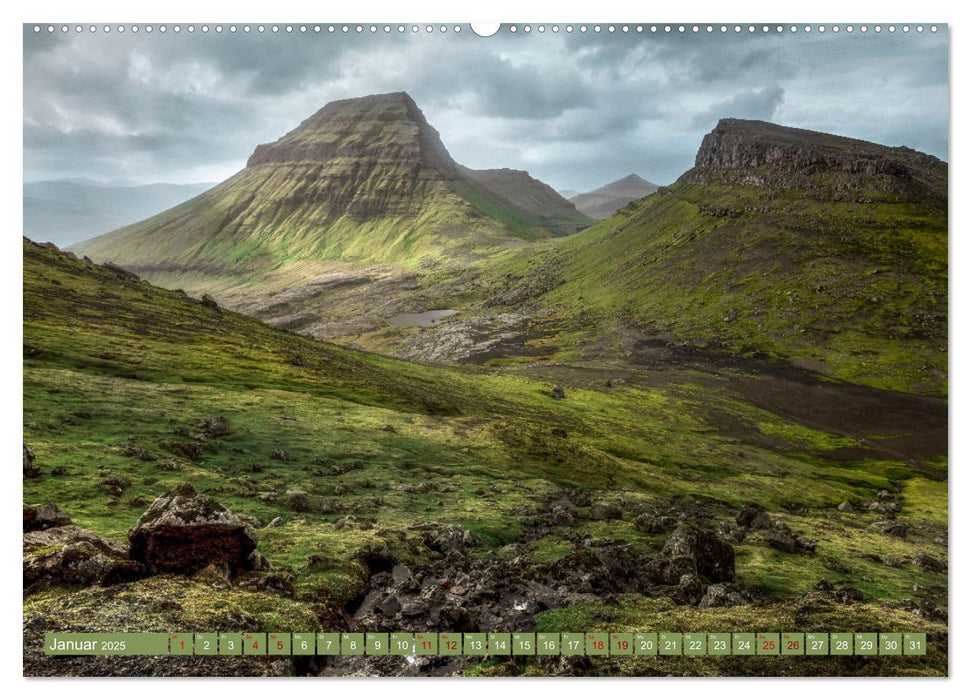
x=793 y=644
x=768 y=645
x=452 y=645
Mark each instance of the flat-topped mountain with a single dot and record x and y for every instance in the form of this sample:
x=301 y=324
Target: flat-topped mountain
x=604 y=201
x=749 y=151
x=364 y=179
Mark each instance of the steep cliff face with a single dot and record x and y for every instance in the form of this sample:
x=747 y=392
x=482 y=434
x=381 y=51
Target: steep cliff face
x=362 y=180
x=756 y=152
x=369 y=156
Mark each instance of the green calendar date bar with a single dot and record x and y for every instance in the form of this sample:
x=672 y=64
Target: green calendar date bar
x=487 y=644
x=98 y=644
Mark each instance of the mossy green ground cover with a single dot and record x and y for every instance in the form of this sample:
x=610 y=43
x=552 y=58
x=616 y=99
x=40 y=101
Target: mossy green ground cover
x=109 y=361
x=857 y=287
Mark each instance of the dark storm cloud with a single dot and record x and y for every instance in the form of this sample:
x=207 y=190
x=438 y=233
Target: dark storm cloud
x=576 y=110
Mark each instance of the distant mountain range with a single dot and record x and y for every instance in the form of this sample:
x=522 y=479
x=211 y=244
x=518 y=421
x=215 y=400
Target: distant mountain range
x=363 y=180
x=604 y=201
x=69 y=211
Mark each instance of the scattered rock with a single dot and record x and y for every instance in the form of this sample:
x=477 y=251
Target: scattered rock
x=805 y=544
x=691 y=590
x=131 y=450
x=298 y=500
x=185 y=531
x=44 y=517
x=846 y=507
x=885 y=507
x=928 y=563
x=847 y=595
x=723 y=595
x=280 y=454
x=445 y=538
x=215 y=427
x=891 y=527
x=892 y=562
x=72 y=556
x=30 y=471
x=646 y=522
x=208 y=301
x=602 y=510
x=388 y=428
x=781 y=540
x=563 y=514
x=263 y=581
x=557 y=392
x=276 y=522
x=713 y=557
x=116 y=484
x=251 y=520
x=558 y=432
x=189 y=450
x=327 y=505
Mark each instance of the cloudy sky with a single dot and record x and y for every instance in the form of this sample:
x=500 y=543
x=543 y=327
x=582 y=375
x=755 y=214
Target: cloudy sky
x=575 y=110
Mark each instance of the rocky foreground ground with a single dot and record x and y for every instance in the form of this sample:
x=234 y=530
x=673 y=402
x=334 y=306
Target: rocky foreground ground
x=186 y=539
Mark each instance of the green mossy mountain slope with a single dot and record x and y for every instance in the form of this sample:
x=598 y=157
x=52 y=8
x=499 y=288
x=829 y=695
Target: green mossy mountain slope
x=811 y=248
x=364 y=180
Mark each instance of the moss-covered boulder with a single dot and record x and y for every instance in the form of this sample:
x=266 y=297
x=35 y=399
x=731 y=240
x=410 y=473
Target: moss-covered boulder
x=185 y=531
x=44 y=517
x=72 y=556
x=713 y=557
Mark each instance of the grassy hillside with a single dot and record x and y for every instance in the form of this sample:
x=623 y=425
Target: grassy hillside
x=835 y=272
x=111 y=362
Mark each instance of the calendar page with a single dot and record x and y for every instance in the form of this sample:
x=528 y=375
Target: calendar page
x=448 y=349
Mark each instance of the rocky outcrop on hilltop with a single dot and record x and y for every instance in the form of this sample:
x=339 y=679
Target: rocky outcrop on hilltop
x=341 y=130
x=756 y=153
